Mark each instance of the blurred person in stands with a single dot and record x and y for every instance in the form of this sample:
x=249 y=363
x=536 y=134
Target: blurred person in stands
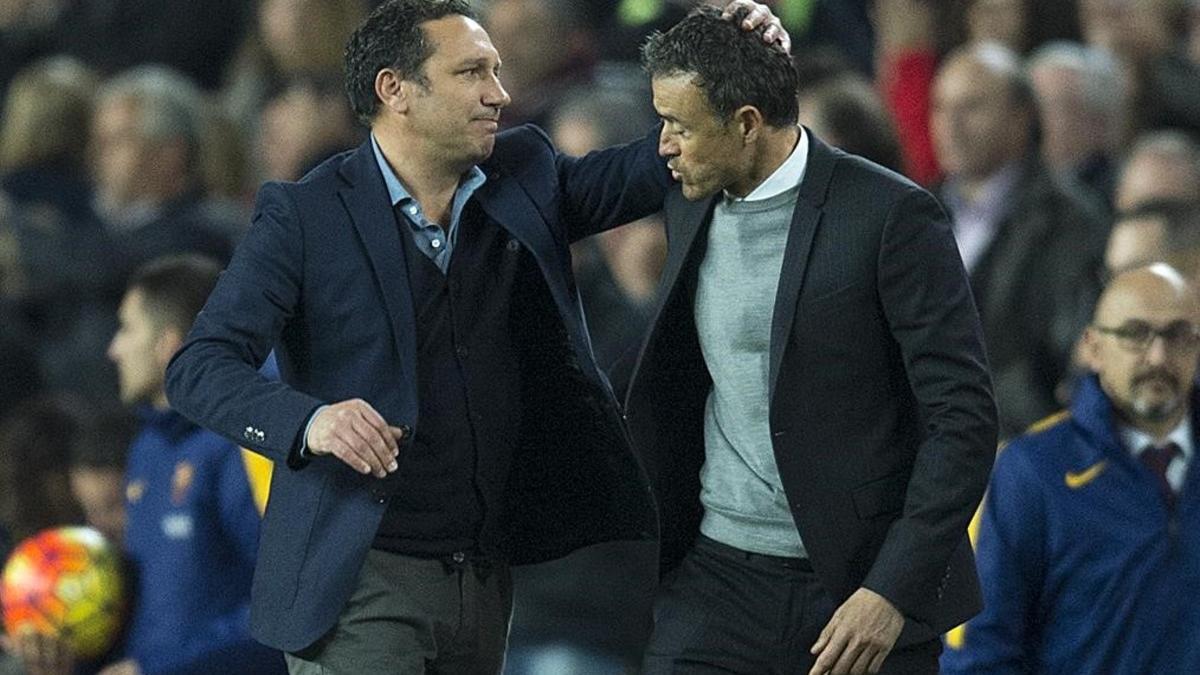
x=549 y=47
x=292 y=41
x=35 y=494
x=1156 y=231
x=1033 y=247
x=1083 y=108
x=1147 y=35
x=35 y=491
x=47 y=106
x=191 y=528
x=302 y=126
x=56 y=278
x=846 y=112
x=97 y=470
x=1004 y=22
x=1159 y=165
x=1089 y=539
x=147 y=135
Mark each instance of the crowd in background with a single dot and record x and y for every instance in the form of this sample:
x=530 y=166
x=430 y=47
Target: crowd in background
x=1060 y=135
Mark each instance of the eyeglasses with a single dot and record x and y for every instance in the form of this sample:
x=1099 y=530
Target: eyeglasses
x=1136 y=336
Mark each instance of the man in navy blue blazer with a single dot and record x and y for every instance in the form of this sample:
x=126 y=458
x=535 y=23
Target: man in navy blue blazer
x=440 y=414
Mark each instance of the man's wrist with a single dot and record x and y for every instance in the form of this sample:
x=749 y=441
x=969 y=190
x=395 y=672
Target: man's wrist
x=304 y=453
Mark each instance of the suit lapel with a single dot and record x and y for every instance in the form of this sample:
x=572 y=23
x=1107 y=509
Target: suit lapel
x=367 y=201
x=687 y=220
x=503 y=199
x=805 y=220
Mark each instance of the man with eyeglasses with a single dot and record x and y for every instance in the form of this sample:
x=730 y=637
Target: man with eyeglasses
x=1089 y=539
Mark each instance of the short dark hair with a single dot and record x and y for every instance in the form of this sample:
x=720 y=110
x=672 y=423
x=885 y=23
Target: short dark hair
x=731 y=66
x=392 y=37
x=175 y=288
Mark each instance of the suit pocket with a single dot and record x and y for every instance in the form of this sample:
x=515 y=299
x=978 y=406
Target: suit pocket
x=882 y=496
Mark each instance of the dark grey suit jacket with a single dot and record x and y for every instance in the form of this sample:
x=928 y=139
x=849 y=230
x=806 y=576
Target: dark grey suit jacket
x=881 y=409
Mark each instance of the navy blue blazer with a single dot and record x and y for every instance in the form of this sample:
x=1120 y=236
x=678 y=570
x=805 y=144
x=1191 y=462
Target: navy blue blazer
x=321 y=279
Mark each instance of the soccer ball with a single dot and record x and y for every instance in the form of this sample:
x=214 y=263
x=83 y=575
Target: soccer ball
x=65 y=582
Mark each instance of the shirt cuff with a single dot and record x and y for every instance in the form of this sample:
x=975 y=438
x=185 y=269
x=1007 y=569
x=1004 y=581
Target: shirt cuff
x=304 y=439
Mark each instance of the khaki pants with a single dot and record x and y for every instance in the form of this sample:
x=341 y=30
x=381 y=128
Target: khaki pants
x=414 y=615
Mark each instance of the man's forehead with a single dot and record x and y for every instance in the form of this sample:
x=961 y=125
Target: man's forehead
x=452 y=36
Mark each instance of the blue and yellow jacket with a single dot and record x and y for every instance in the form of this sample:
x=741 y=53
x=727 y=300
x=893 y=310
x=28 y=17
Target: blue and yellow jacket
x=1083 y=568
x=190 y=537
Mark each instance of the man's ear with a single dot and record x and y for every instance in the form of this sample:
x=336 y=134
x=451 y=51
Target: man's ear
x=392 y=91
x=169 y=341
x=1089 y=349
x=749 y=121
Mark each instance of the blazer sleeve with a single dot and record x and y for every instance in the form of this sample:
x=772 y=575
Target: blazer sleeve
x=613 y=186
x=1010 y=554
x=930 y=311
x=213 y=379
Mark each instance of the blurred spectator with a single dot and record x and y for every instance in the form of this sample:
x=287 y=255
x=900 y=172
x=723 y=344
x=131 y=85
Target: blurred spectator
x=148 y=131
x=35 y=494
x=97 y=471
x=195 y=37
x=846 y=112
x=1032 y=248
x=1156 y=231
x=301 y=127
x=906 y=46
x=191 y=524
x=1147 y=35
x=1082 y=106
x=1159 y=165
x=35 y=491
x=292 y=41
x=40 y=162
x=56 y=278
x=1005 y=22
x=549 y=48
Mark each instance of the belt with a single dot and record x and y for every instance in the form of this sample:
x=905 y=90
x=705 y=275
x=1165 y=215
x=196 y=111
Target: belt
x=727 y=551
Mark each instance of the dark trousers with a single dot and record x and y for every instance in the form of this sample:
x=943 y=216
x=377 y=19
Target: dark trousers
x=414 y=616
x=728 y=611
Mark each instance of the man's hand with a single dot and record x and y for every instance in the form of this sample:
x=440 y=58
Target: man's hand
x=355 y=433
x=758 y=14
x=126 y=667
x=42 y=654
x=859 y=637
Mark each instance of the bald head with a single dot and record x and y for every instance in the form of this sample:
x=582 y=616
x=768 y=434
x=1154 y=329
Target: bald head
x=1144 y=345
x=1151 y=289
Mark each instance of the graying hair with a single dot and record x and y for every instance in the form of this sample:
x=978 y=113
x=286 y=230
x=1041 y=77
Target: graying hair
x=169 y=104
x=1103 y=87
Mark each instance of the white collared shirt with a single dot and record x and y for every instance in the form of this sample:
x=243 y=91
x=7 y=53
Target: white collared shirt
x=787 y=176
x=1136 y=442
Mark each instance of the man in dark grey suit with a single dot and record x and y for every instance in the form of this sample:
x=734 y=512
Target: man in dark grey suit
x=813 y=401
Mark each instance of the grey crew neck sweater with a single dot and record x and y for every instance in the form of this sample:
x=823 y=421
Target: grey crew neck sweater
x=743 y=498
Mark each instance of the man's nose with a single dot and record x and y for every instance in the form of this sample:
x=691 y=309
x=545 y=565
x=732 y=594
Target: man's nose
x=496 y=95
x=666 y=148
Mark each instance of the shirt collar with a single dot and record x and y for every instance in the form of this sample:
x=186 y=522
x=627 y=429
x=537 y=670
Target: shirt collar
x=787 y=176
x=993 y=195
x=1137 y=440
x=396 y=192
